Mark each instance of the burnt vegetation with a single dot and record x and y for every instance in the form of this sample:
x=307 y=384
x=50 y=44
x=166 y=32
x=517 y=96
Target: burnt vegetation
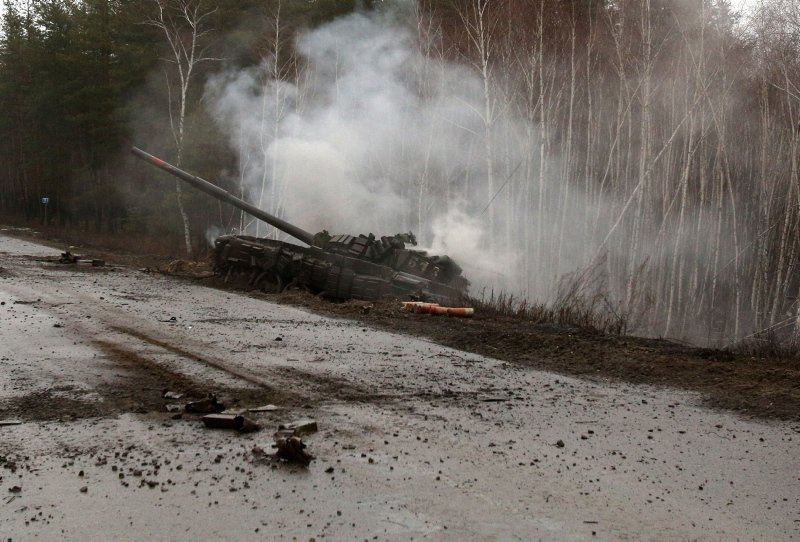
x=638 y=157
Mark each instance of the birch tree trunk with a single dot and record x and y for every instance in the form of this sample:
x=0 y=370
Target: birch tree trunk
x=184 y=26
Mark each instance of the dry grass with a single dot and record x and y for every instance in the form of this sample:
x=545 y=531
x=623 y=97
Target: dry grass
x=580 y=315
x=769 y=345
x=579 y=302
x=582 y=300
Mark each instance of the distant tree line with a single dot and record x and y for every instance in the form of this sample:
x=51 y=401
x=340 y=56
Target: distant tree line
x=665 y=156
x=664 y=159
x=81 y=79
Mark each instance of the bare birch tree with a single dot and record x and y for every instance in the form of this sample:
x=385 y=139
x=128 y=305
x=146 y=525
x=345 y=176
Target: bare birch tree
x=185 y=27
x=480 y=25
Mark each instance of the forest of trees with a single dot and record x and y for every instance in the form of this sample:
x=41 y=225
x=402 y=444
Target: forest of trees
x=647 y=150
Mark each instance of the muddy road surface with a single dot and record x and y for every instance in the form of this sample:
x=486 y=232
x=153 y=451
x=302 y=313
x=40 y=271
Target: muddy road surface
x=415 y=440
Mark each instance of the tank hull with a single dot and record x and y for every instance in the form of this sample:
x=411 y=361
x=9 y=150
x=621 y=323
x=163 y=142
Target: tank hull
x=273 y=265
x=339 y=266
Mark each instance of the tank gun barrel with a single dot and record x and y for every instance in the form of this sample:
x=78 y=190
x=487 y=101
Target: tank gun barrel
x=220 y=194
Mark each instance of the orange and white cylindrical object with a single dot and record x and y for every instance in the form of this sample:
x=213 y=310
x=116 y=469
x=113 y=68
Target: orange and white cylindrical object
x=412 y=306
x=426 y=308
x=417 y=306
x=436 y=310
x=421 y=307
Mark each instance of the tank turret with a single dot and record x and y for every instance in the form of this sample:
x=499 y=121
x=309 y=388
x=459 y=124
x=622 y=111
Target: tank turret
x=338 y=266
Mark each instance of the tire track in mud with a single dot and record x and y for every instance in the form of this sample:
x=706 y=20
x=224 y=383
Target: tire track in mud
x=131 y=368
x=191 y=385
x=154 y=357
x=108 y=317
x=206 y=360
x=326 y=385
x=336 y=388
x=289 y=383
x=134 y=361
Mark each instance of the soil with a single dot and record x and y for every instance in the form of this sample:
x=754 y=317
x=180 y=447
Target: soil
x=415 y=440
x=762 y=388
x=767 y=388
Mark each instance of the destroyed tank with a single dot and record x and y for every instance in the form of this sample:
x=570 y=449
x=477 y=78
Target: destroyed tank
x=335 y=266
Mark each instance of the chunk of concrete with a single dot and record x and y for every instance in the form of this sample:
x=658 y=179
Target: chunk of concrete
x=300 y=427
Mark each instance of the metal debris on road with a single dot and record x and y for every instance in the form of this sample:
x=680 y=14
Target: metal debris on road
x=69 y=258
x=291 y=448
x=10 y=422
x=265 y=408
x=205 y=406
x=300 y=427
x=230 y=421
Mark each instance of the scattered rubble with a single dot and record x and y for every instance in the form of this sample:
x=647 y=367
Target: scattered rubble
x=265 y=408
x=69 y=258
x=205 y=406
x=230 y=421
x=300 y=427
x=291 y=448
x=451 y=385
x=288 y=444
x=171 y=395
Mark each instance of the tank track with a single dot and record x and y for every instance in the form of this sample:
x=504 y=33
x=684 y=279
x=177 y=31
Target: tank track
x=275 y=264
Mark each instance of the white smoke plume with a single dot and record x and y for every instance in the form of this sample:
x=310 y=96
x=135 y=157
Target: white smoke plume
x=380 y=134
x=367 y=141
x=464 y=238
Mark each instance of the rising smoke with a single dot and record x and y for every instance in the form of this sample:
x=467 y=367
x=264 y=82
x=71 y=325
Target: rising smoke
x=376 y=137
x=382 y=134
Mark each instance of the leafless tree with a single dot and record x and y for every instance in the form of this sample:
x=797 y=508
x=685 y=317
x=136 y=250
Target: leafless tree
x=185 y=28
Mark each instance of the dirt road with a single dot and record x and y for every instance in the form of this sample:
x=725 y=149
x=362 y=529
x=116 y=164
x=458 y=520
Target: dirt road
x=415 y=440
